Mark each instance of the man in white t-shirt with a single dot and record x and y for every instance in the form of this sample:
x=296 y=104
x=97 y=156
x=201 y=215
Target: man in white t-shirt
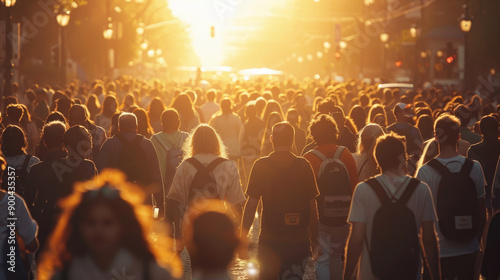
x=457 y=258
x=390 y=154
x=228 y=126
x=210 y=107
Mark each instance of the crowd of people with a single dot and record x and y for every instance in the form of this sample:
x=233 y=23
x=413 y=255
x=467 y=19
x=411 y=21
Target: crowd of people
x=366 y=182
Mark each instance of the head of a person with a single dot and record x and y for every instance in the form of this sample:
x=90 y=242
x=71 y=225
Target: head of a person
x=93 y=102
x=101 y=217
x=390 y=152
x=204 y=140
x=109 y=105
x=13 y=141
x=53 y=134
x=155 y=109
x=358 y=116
x=212 y=241
x=55 y=116
x=78 y=141
x=192 y=95
x=251 y=110
x=14 y=113
x=211 y=94
x=128 y=101
x=323 y=129
x=127 y=122
x=463 y=113
x=447 y=130
x=271 y=107
x=170 y=120
x=226 y=106
x=375 y=110
x=293 y=117
x=426 y=126
x=78 y=115
x=183 y=104
x=283 y=136
x=143 y=126
x=368 y=138
x=404 y=112
x=489 y=127
x=63 y=104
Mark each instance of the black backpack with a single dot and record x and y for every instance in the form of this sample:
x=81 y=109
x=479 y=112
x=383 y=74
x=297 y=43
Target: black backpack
x=395 y=246
x=457 y=207
x=20 y=177
x=335 y=189
x=204 y=185
x=133 y=161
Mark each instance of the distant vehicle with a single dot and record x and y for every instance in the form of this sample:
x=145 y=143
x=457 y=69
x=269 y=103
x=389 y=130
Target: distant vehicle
x=402 y=87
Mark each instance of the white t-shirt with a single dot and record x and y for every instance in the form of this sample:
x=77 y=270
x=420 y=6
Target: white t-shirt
x=427 y=174
x=228 y=127
x=226 y=178
x=365 y=204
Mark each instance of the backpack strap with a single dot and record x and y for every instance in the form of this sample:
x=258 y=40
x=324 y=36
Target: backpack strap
x=467 y=167
x=379 y=191
x=214 y=163
x=25 y=163
x=439 y=167
x=338 y=152
x=410 y=188
x=319 y=154
x=198 y=165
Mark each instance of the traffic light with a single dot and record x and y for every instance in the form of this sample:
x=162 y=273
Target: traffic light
x=212 y=32
x=54 y=56
x=338 y=55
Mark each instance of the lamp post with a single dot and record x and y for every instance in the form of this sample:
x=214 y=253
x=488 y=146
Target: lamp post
x=62 y=21
x=7 y=90
x=465 y=25
x=384 y=37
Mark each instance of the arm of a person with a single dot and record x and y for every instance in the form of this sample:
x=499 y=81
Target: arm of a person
x=173 y=220
x=431 y=249
x=26 y=226
x=354 y=248
x=103 y=156
x=248 y=215
x=482 y=216
x=156 y=178
x=495 y=191
x=313 y=228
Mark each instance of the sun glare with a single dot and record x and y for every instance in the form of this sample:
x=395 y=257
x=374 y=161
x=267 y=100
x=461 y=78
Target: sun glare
x=211 y=24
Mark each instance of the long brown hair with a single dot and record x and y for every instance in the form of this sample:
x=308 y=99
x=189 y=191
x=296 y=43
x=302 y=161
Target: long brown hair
x=204 y=139
x=124 y=199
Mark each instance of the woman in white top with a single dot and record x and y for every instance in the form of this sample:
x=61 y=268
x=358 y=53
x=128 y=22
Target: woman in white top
x=365 y=161
x=101 y=235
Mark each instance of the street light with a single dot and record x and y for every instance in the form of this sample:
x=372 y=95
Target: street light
x=7 y=90
x=384 y=37
x=466 y=25
x=108 y=33
x=62 y=19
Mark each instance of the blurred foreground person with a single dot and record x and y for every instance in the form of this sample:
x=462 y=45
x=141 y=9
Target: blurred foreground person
x=211 y=240
x=102 y=235
x=24 y=229
x=388 y=212
x=289 y=222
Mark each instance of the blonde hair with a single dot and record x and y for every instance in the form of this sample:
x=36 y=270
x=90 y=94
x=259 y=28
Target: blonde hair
x=368 y=138
x=204 y=139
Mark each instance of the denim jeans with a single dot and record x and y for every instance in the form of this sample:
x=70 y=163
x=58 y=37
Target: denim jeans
x=332 y=241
